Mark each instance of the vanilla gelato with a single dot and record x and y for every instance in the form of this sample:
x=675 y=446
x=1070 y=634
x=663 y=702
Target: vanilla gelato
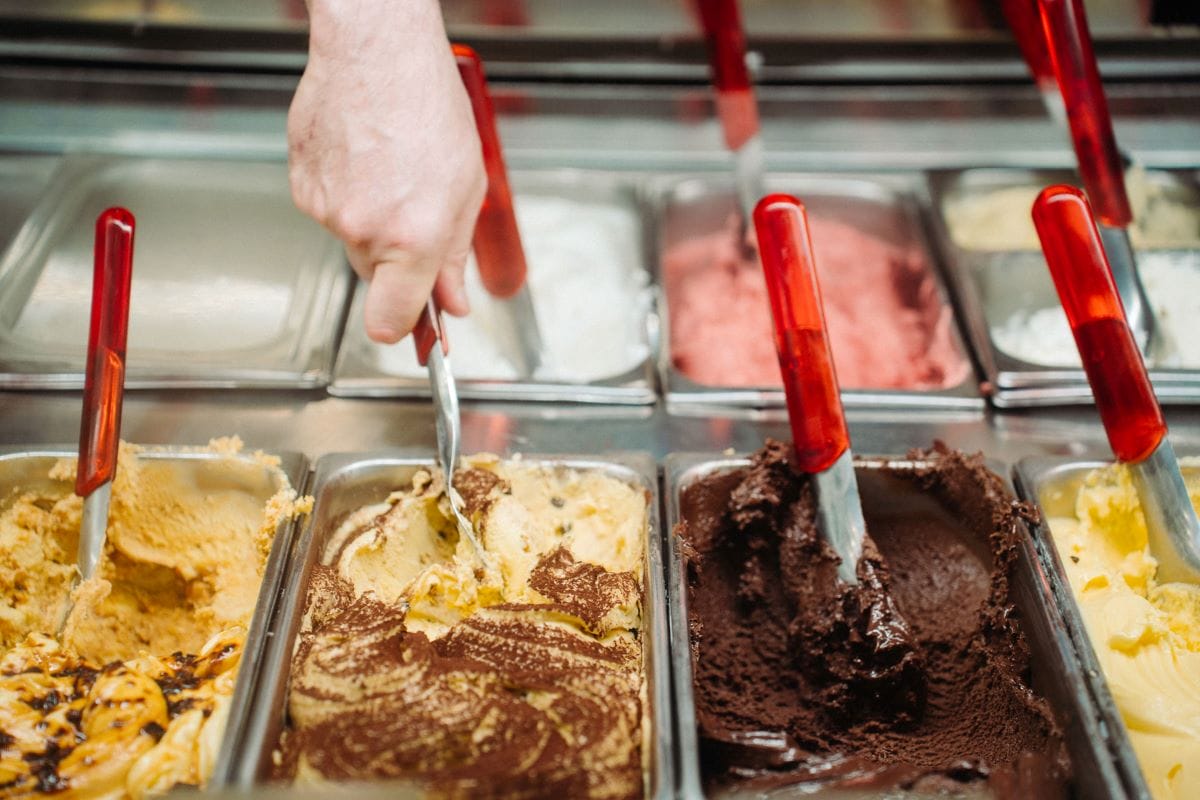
x=589 y=291
x=159 y=631
x=1172 y=281
x=1146 y=634
x=1001 y=219
x=521 y=675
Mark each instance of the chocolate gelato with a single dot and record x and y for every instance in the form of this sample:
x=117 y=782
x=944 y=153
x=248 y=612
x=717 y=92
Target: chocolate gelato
x=915 y=679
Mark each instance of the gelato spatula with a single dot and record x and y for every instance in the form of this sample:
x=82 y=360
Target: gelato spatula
x=104 y=385
x=821 y=438
x=737 y=106
x=1124 y=396
x=497 y=240
x=433 y=351
x=1100 y=164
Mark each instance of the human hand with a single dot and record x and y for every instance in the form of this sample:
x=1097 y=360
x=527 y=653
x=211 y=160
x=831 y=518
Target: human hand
x=382 y=150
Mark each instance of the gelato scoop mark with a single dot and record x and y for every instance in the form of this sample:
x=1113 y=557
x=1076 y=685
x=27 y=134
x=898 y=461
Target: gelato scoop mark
x=888 y=327
x=522 y=680
x=1146 y=634
x=917 y=678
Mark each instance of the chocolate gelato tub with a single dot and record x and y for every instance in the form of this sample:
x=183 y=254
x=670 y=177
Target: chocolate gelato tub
x=983 y=224
x=232 y=288
x=25 y=489
x=894 y=334
x=774 y=765
x=1054 y=484
x=586 y=252
x=429 y=616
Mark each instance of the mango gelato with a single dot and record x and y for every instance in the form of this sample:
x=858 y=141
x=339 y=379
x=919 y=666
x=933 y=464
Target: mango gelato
x=518 y=676
x=1146 y=634
x=132 y=697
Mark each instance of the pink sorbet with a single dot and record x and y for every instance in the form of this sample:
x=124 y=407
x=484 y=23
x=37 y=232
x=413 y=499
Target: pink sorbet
x=888 y=327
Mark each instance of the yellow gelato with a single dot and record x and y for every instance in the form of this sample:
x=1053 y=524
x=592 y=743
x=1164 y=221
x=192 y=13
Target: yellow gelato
x=187 y=543
x=1146 y=634
x=520 y=675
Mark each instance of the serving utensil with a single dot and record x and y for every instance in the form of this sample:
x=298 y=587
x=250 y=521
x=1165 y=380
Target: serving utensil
x=821 y=438
x=497 y=240
x=1124 y=396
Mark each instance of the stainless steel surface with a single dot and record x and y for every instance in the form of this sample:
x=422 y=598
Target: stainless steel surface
x=881 y=205
x=1056 y=673
x=347 y=481
x=29 y=468
x=92 y=527
x=991 y=286
x=1138 y=311
x=232 y=286
x=840 y=514
x=447 y=422
x=749 y=176
x=1171 y=523
x=1053 y=484
x=523 y=332
x=361 y=372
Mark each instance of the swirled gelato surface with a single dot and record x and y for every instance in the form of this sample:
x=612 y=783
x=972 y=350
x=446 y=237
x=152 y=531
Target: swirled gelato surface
x=1146 y=634
x=916 y=679
x=132 y=698
x=519 y=677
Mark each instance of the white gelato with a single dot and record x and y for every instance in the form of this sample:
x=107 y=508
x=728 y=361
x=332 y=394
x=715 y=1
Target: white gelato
x=589 y=290
x=1172 y=282
x=1001 y=219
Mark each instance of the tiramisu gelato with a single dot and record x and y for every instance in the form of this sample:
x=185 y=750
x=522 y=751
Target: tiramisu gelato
x=516 y=676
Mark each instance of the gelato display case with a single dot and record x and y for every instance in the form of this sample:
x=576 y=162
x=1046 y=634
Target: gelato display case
x=916 y=139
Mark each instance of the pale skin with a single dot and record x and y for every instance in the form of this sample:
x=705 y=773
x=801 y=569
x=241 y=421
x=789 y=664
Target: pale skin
x=382 y=151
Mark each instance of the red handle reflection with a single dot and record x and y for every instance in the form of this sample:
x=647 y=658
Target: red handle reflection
x=1100 y=165
x=1124 y=397
x=100 y=428
x=736 y=106
x=1025 y=22
x=809 y=381
x=497 y=241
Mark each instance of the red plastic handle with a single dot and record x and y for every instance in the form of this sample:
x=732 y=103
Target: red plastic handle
x=809 y=380
x=100 y=428
x=736 y=105
x=1124 y=397
x=497 y=240
x=1025 y=22
x=430 y=328
x=1100 y=164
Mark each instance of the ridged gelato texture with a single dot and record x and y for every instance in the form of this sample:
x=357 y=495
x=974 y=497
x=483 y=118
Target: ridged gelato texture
x=518 y=677
x=916 y=679
x=132 y=698
x=888 y=326
x=1146 y=634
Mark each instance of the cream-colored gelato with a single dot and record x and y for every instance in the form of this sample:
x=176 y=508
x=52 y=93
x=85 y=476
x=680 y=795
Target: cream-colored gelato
x=1146 y=634
x=187 y=543
x=417 y=661
x=1001 y=219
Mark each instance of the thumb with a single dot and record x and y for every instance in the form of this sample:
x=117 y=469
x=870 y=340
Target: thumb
x=395 y=296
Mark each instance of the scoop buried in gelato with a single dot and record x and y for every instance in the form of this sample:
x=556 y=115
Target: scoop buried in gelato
x=133 y=697
x=1146 y=634
x=888 y=326
x=917 y=679
x=520 y=678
